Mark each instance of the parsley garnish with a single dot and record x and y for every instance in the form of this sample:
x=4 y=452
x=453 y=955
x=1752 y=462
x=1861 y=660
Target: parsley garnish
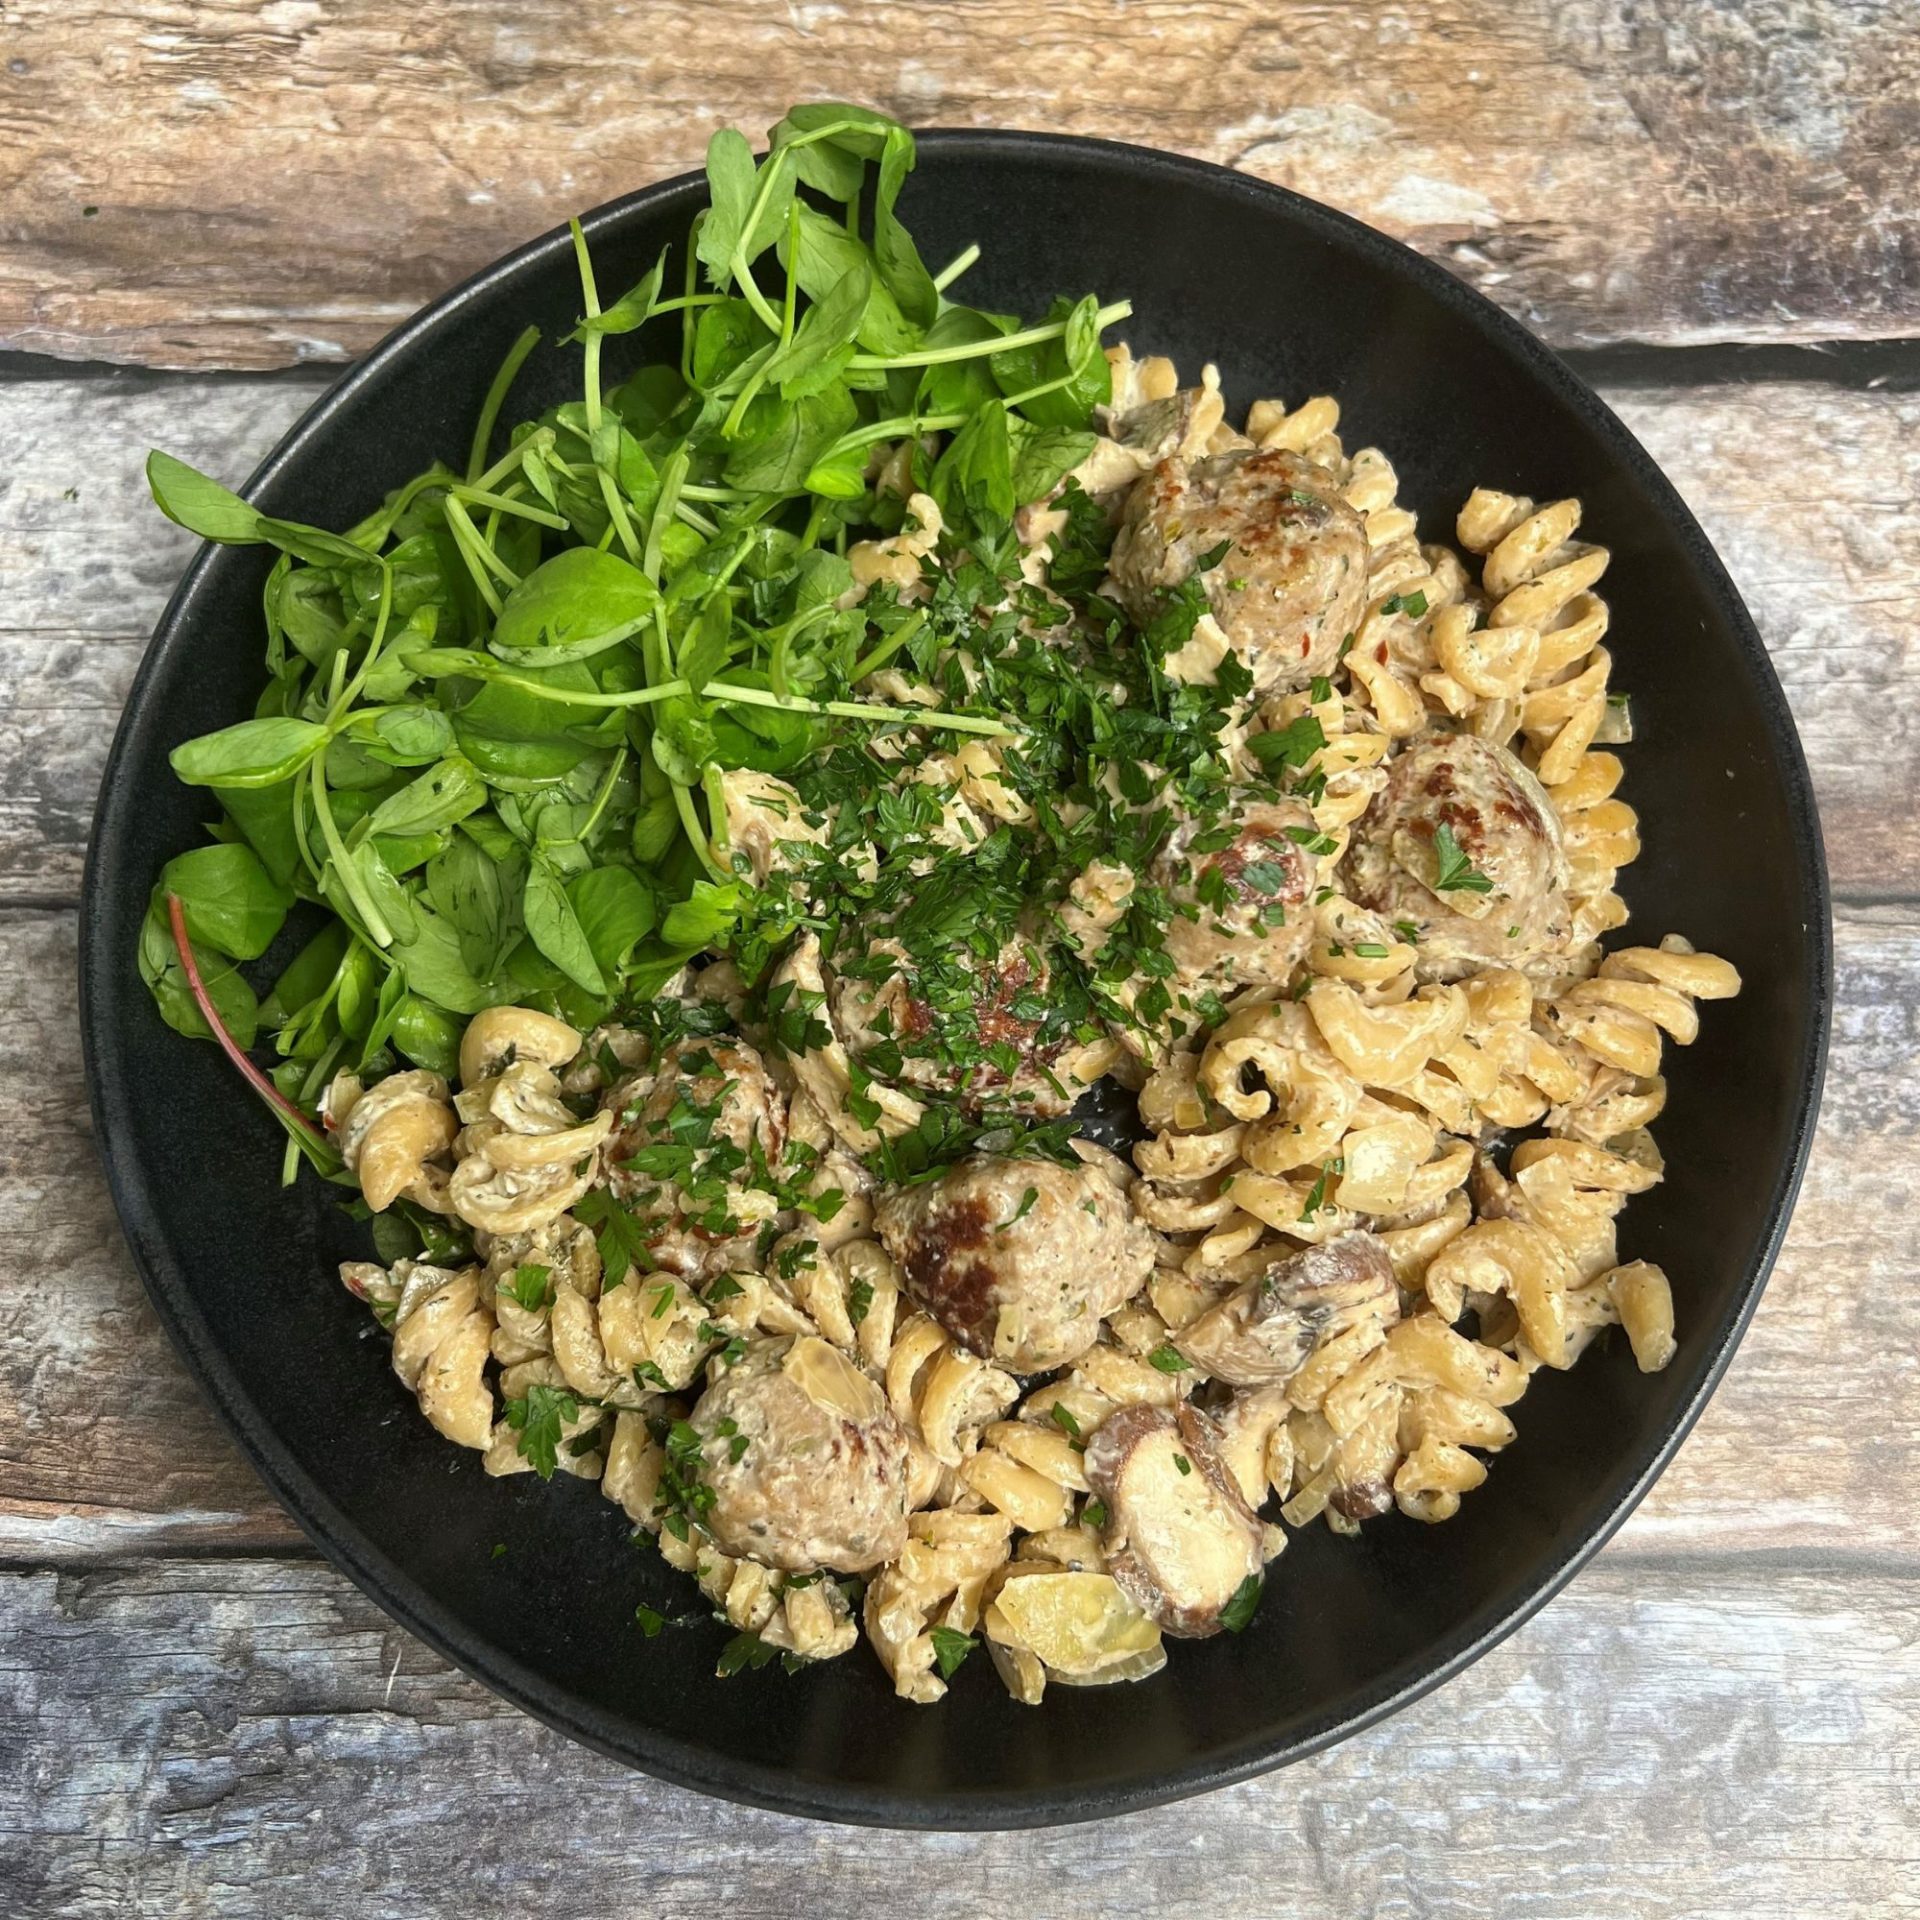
x=539 y=1420
x=1020 y=1213
x=1094 y=1514
x=1414 y=605
x=1168 y=1359
x=531 y=1286
x=1455 y=873
x=745 y=1652
x=617 y=1235
x=1245 y=1602
x=950 y=1649
x=1317 y=1196
x=648 y=1621
x=1185 y=1465
x=1290 y=746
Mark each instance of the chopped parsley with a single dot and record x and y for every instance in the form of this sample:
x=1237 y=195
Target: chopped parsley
x=1455 y=873
x=1025 y=1207
x=1317 y=1196
x=950 y=1649
x=744 y=1653
x=530 y=1286
x=1166 y=1358
x=1238 y=1611
x=648 y=1621
x=539 y=1420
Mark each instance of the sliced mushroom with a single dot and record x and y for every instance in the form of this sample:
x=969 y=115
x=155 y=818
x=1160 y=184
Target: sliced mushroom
x=1263 y=1331
x=1180 y=1539
x=499 y=1036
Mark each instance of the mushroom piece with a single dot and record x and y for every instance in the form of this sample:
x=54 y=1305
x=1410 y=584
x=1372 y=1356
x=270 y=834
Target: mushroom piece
x=501 y=1036
x=805 y=1460
x=1019 y=1260
x=1293 y=582
x=1263 y=1331
x=1180 y=1539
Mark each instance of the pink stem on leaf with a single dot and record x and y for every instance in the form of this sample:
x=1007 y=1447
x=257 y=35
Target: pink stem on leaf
x=261 y=1085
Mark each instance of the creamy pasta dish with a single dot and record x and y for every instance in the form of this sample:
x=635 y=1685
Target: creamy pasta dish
x=1044 y=738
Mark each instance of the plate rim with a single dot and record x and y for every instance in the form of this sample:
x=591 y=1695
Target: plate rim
x=682 y=1763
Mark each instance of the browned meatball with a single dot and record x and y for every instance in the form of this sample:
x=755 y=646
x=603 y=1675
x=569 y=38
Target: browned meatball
x=1262 y=1333
x=805 y=1460
x=1242 y=916
x=1019 y=1260
x=701 y=1115
x=1293 y=583
x=1494 y=892
x=971 y=1027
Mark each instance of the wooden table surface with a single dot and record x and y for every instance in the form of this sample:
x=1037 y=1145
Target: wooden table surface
x=1715 y=209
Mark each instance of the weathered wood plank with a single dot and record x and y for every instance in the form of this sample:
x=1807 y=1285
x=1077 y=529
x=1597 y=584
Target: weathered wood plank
x=1810 y=1450
x=247 y=1739
x=1812 y=494
x=206 y=183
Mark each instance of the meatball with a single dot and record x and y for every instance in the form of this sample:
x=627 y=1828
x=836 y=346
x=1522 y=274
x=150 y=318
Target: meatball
x=1241 y=914
x=978 y=1028
x=1262 y=1333
x=805 y=1461
x=699 y=1118
x=1019 y=1260
x=1497 y=893
x=1292 y=585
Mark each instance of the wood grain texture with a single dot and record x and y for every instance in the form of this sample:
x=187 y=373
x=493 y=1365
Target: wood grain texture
x=1811 y=493
x=245 y=1739
x=207 y=182
x=1810 y=1450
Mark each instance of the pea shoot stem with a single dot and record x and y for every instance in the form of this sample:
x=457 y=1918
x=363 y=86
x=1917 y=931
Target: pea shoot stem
x=956 y=267
x=278 y=1101
x=496 y=399
x=978 y=349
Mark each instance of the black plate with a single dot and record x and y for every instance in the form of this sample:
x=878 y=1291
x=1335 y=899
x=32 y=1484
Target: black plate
x=1289 y=299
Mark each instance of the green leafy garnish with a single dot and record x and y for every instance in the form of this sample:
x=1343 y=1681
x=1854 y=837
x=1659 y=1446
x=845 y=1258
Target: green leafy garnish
x=531 y=1287
x=1454 y=872
x=950 y=1649
x=539 y=1421
x=1245 y=1602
